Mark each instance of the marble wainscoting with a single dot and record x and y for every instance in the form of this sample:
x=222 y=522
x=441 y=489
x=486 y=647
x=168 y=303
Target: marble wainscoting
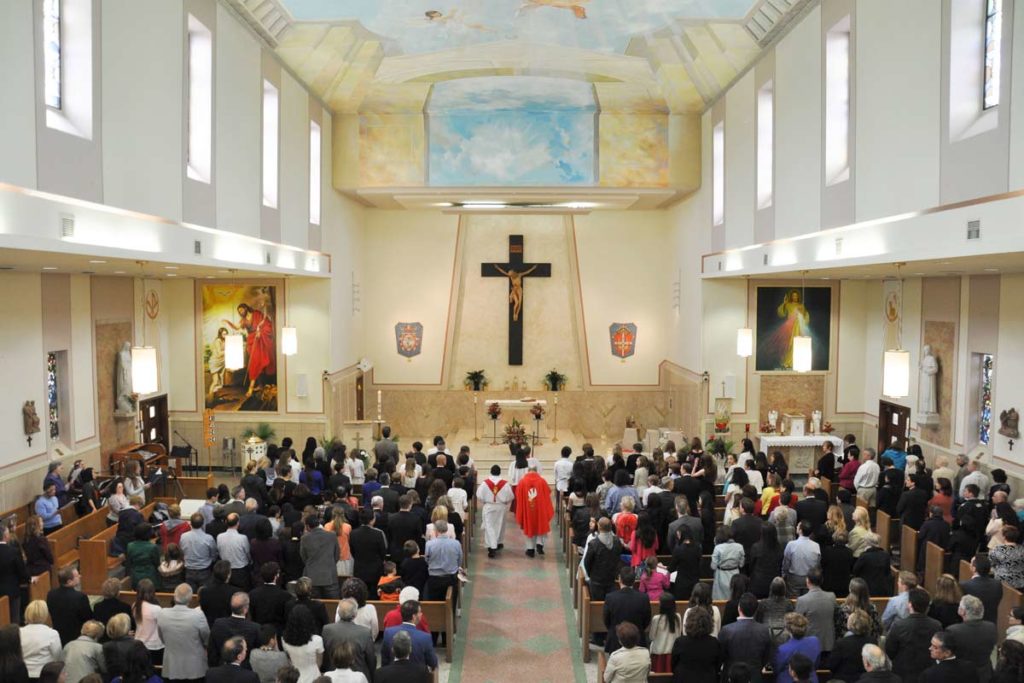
x=114 y=433
x=232 y=425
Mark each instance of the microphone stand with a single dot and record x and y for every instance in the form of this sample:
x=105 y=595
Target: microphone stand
x=192 y=451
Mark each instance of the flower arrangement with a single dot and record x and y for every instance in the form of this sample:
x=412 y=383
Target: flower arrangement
x=827 y=427
x=554 y=380
x=768 y=428
x=718 y=446
x=475 y=380
x=493 y=411
x=514 y=432
x=537 y=411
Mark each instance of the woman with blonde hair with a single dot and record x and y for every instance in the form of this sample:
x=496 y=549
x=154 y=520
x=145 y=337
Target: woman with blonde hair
x=134 y=484
x=40 y=643
x=440 y=513
x=858 y=599
x=834 y=520
x=859 y=533
x=119 y=644
x=845 y=661
x=946 y=601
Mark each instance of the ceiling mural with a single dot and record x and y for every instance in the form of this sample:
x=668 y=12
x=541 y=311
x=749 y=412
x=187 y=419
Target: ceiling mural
x=419 y=26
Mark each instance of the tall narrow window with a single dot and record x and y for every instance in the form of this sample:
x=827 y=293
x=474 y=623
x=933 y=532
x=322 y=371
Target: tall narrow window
x=314 y=173
x=53 y=85
x=765 y=144
x=718 y=173
x=993 y=51
x=200 y=102
x=52 y=396
x=270 y=141
x=837 y=103
x=985 y=397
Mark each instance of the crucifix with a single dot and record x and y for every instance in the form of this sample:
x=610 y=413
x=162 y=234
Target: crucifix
x=515 y=270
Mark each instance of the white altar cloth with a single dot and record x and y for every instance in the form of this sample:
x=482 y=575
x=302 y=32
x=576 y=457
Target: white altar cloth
x=807 y=441
x=516 y=404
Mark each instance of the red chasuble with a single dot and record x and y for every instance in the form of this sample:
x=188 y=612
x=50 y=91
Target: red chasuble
x=534 y=513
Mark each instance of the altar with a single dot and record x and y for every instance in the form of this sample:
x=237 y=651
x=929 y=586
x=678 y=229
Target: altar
x=802 y=452
x=519 y=409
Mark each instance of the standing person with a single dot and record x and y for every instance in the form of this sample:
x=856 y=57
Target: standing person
x=39 y=643
x=359 y=638
x=369 y=550
x=630 y=663
x=234 y=547
x=84 y=655
x=909 y=639
x=666 y=626
x=696 y=655
x=625 y=604
x=845 y=660
x=948 y=667
x=142 y=556
x=200 y=552
x=145 y=611
x=799 y=558
x=726 y=561
x=304 y=646
x=402 y=668
x=444 y=557
x=68 y=605
x=534 y=510
x=563 y=472
x=602 y=559
x=48 y=507
x=13 y=573
x=799 y=643
x=227 y=628
x=984 y=587
x=975 y=638
x=320 y=553
x=185 y=634
x=877 y=666
x=496 y=495
x=765 y=561
x=745 y=640
x=819 y=607
x=865 y=481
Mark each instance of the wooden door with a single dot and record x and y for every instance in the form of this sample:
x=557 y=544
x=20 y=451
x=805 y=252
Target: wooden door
x=893 y=426
x=154 y=421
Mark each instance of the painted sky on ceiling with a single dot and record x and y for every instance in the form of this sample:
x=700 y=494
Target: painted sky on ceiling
x=418 y=26
x=511 y=131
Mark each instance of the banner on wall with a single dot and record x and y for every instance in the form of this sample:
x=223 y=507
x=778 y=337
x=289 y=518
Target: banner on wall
x=209 y=430
x=623 y=339
x=891 y=307
x=249 y=311
x=408 y=339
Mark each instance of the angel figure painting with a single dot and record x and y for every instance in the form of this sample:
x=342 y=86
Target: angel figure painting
x=249 y=312
x=784 y=313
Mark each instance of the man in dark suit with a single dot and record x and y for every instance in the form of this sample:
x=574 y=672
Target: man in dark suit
x=364 y=657
x=688 y=486
x=812 y=509
x=69 y=607
x=876 y=666
x=948 y=668
x=233 y=654
x=13 y=573
x=625 y=604
x=913 y=505
x=385 y=450
x=443 y=472
x=974 y=639
x=602 y=560
x=746 y=529
x=389 y=494
x=403 y=526
x=215 y=597
x=402 y=669
x=909 y=639
x=248 y=521
x=270 y=602
x=422 y=643
x=984 y=587
x=226 y=629
x=746 y=640
x=369 y=550
x=319 y=551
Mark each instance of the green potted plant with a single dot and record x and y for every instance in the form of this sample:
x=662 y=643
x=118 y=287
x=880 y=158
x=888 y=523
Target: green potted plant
x=555 y=380
x=263 y=431
x=476 y=380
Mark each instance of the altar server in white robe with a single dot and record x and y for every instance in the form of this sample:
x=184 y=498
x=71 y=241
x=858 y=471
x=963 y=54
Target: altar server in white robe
x=496 y=494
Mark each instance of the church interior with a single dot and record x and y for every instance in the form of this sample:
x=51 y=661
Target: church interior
x=614 y=222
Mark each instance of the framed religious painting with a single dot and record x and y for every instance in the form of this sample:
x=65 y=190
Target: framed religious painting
x=239 y=347
x=784 y=313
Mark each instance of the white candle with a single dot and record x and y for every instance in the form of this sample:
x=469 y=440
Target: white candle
x=474 y=399
x=378 y=396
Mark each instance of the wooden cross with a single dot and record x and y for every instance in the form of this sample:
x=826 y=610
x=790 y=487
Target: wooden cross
x=515 y=270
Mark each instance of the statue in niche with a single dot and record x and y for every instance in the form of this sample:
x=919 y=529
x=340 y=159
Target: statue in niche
x=124 y=401
x=927 y=395
x=30 y=419
x=1008 y=420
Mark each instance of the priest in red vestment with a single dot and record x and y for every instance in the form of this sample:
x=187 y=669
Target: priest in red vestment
x=534 y=510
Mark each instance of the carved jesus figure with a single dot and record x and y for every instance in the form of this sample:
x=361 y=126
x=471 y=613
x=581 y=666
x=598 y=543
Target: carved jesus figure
x=515 y=295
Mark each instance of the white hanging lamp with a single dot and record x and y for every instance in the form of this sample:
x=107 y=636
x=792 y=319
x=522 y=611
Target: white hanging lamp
x=744 y=342
x=896 y=362
x=289 y=341
x=234 y=352
x=803 y=354
x=145 y=377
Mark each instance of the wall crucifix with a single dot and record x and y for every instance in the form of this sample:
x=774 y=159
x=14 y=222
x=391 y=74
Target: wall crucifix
x=515 y=270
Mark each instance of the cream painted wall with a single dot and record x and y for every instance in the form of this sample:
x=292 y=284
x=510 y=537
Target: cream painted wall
x=854 y=308
x=874 y=345
x=897 y=109
x=740 y=162
x=406 y=276
x=17 y=116
x=1017 y=104
x=22 y=364
x=238 y=100
x=179 y=311
x=294 y=157
x=308 y=307
x=798 y=121
x=83 y=359
x=625 y=277
x=1009 y=368
x=724 y=304
x=142 y=129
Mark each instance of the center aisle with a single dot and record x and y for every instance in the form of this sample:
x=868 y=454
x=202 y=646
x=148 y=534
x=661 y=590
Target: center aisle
x=517 y=618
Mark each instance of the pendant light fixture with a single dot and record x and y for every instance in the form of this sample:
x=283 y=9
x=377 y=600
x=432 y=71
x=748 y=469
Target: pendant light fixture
x=144 y=368
x=745 y=338
x=289 y=335
x=234 y=351
x=802 y=350
x=896 y=362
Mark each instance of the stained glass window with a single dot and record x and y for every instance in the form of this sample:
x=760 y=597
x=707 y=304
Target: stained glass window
x=985 y=421
x=52 y=393
x=993 y=50
x=52 y=53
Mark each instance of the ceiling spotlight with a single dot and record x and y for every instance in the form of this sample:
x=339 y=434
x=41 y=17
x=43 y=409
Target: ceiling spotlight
x=49 y=267
x=170 y=267
x=96 y=261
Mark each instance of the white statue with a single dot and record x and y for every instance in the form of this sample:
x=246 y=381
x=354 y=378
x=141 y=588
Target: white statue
x=927 y=396
x=124 y=401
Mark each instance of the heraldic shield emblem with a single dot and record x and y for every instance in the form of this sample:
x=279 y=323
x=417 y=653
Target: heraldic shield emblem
x=623 y=338
x=409 y=339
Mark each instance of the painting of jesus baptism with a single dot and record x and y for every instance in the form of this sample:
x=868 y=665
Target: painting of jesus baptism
x=784 y=313
x=240 y=318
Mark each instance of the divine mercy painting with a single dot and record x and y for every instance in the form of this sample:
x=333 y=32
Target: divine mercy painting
x=784 y=313
x=248 y=311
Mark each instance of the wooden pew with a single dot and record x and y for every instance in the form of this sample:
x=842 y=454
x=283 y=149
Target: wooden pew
x=883 y=527
x=5 y=610
x=829 y=488
x=1011 y=598
x=165 y=599
x=95 y=562
x=39 y=589
x=908 y=548
x=934 y=565
x=965 y=571
x=861 y=503
x=65 y=541
x=67 y=513
x=193 y=487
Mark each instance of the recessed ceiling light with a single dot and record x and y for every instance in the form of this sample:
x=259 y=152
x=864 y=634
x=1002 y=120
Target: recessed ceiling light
x=88 y=272
x=172 y=275
x=96 y=261
x=944 y=263
x=991 y=270
x=223 y=271
x=210 y=277
x=918 y=273
x=118 y=272
x=49 y=267
x=170 y=267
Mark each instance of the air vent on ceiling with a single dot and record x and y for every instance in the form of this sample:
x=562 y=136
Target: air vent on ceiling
x=266 y=257
x=973 y=230
x=197 y=247
x=764 y=259
x=839 y=246
x=67 y=226
x=719 y=266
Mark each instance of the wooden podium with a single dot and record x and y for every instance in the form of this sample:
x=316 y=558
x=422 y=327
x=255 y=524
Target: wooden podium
x=148 y=455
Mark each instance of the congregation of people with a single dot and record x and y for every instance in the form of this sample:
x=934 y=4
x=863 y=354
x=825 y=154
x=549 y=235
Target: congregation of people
x=793 y=570
x=251 y=568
